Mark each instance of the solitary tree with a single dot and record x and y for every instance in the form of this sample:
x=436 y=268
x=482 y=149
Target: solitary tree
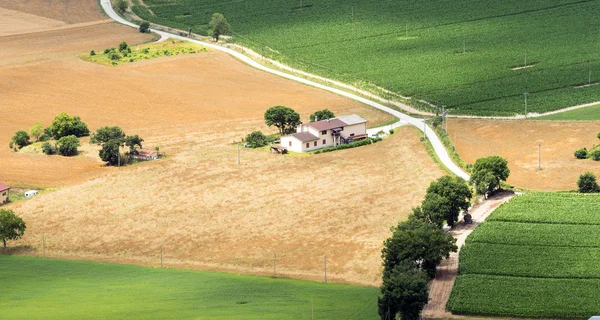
x=133 y=142
x=111 y=139
x=322 y=115
x=256 y=139
x=122 y=5
x=12 y=227
x=284 y=118
x=445 y=199
x=404 y=291
x=145 y=27
x=36 y=131
x=218 y=25
x=488 y=172
x=64 y=125
x=587 y=183
x=581 y=153
x=67 y=146
x=19 y=140
x=419 y=243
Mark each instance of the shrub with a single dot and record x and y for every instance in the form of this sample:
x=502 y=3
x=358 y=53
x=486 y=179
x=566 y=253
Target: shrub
x=48 y=149
x=587 y=183
x=67 y=146
x=92 y=53
x=19 y=140
x=391 y=131
x=594 y=154
x=350 y=145
x=114 y=56
x=256 y=139
x=106 y=51
x=145 y=27
x=123 y=46
x=581 y=153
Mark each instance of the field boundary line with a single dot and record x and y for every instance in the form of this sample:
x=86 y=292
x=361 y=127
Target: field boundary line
x=419 y=123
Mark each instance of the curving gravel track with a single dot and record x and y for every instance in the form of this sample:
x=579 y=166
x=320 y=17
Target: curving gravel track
x=419 y=123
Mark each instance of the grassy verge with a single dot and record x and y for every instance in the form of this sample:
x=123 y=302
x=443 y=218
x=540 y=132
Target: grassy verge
x=59 y=289
x=447 y=142
x=587 y=113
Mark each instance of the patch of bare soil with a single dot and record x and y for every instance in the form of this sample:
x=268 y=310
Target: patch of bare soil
x=69 y=11
x=518 y=140
x=16 y=22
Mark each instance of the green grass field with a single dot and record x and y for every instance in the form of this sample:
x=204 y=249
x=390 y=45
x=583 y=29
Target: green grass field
x=35 y=288
x=367 y=41
x=536 y=256
x=587 y=113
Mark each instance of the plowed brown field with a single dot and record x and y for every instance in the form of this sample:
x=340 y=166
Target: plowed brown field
x=69 y=11
x=518 y=140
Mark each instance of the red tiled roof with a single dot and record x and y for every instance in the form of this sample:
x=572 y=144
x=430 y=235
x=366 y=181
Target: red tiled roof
x=327 y=124
x=146 y=152
x=305 y=136
x=3 y=187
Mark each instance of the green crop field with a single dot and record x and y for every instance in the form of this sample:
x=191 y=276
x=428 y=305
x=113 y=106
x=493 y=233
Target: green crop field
x=34 y=288
x=536 y=256
x=587 y=113
x=457 y=53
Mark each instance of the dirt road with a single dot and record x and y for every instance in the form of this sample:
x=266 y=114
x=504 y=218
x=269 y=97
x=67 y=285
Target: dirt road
x=440 y=287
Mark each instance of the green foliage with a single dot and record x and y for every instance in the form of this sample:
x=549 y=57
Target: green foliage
x=539 y=252
x=445 y=199
x=153 y=293
x=581 y=153
x=587 y=183
x=19 y=140
x=144 y=27
x=594 y=154
x=488 y=172
x=133 y=142
x=92 y=52
x=350 y=145
x=48 y=148
x=391 y=131
x=111 y=139
x=12 y=227
x=404 y=291
x=121 y=5
x=123 y=46
x=64 y=125
x=496 y=35
x=587 y=113
x=419 y=243
x=114 y=56
x=130 y=54
x=67 y=146
x=321 y=115
x=256 y=139
x=36 y=131
x=284 y=118
x=218 y=25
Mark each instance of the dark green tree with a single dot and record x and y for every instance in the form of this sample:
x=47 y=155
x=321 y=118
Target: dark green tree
x=322 y=115
x=111 y=139
x=48 y=149
x=133 y=142
x=67 y=146
x=12 y=227
x=404 y=291
x=19 y=140
x=284 y=118
x=594 y=154
x=145 y=27
x=217 y=26
x=256 y=139
x=419 y=243
x=587 y=183
x=581 y=153
x=64 y=125
x=488 y=172
x=453 y=196
x=123 y=46
x=121 y=5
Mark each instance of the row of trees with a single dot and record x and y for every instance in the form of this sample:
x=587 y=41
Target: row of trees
x=417 y=246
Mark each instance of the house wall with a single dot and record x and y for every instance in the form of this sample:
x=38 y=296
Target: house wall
x=357 y=129
x=299 y=146
x=4 y=197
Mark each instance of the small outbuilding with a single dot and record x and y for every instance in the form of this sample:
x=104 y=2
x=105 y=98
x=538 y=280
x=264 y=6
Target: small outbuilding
x=146 y=155
x=30 y=193
x=4 y=193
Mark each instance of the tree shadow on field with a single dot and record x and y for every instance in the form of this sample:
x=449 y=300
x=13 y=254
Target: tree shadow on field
x=17 y=250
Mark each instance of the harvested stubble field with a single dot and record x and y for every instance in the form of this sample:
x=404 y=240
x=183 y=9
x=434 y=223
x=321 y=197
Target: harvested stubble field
x=204 y=210
x=539 y=252
x=517 y=141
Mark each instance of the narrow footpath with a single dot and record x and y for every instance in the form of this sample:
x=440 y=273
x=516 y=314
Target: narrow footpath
x=440 y=287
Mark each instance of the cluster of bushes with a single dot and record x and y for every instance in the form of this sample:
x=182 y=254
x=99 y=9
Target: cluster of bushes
x=593 y=154
x=65 y=130
x=257 y=139
x=112 y=139
x=417 y=246
x=350 y=145
x=114 y=54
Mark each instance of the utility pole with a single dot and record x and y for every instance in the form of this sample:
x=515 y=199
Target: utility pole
x=161 y=265
x=590 y=77
x=539 y=156
x=325 y=269
x=444 y=118
x=525 y=57
x=464 y=46
x=525 y=94
x=406 y=31
x=454 y=142
x=352 y=12
x=274 y=265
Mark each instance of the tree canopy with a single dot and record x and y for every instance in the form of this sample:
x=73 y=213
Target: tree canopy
x=445 y=199
x=122 y=5
x=322 y=115
x=587 y=183
x=144 y=27
x=64 y=125
x=256 y=139
x=133 y=142
x=19 y=140
x=36 y=131
x=67 y=146
x=404 y=290
x=218 y=25
x=111 y=139
x=12 y=227
x=284 y=118
x=488 y=172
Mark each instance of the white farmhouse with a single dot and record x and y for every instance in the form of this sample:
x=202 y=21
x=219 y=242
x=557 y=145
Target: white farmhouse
x=326 y=133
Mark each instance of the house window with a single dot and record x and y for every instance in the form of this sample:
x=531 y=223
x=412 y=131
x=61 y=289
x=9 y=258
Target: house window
x=324 y=141
x=3 y=193
x=352 y=134
x=324 y=132
x=307 y=145
x=315 y=143
x=290 y=143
